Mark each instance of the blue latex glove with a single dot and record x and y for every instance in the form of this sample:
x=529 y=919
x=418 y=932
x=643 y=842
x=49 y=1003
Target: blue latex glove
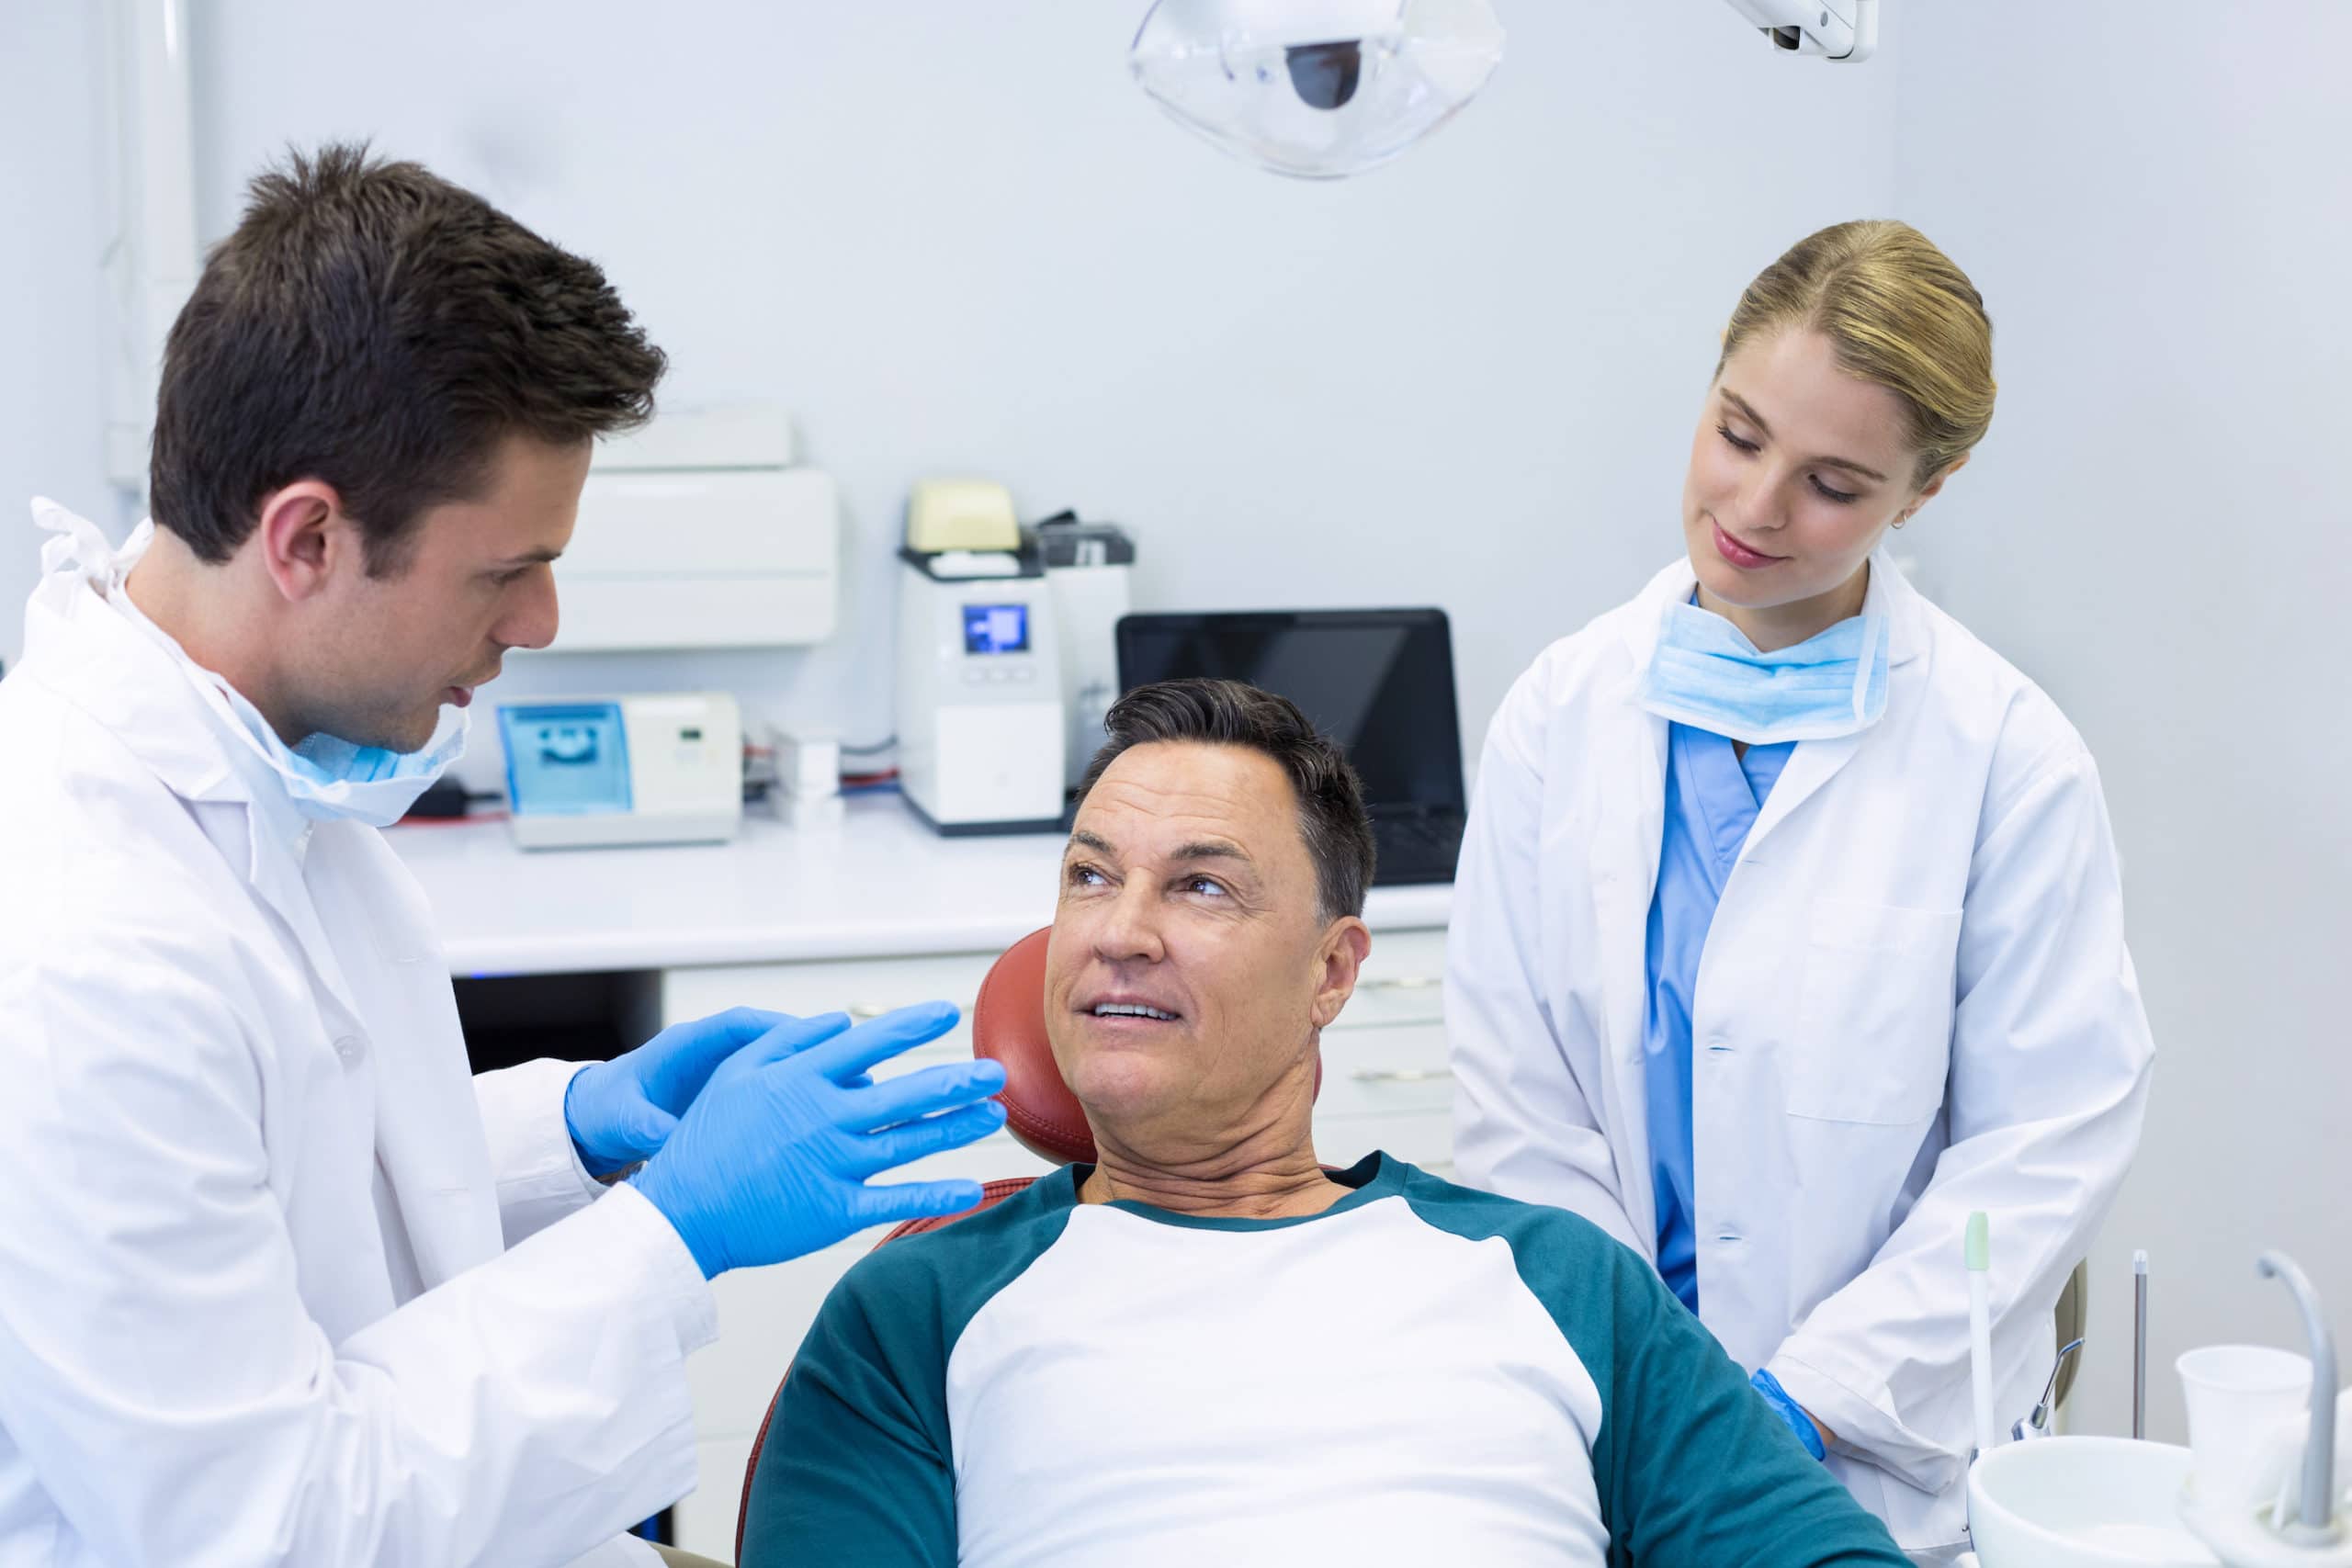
x=770 y=1162
x=1789 y=1410
x=622 y=1110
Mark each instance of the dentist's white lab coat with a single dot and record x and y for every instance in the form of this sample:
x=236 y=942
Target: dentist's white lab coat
x=281 y=1284
x=1914 y=1002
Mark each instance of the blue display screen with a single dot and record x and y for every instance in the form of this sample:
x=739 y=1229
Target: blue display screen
x=996 y=628
x=565 y=757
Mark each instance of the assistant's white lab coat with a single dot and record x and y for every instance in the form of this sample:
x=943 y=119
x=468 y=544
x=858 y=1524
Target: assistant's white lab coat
x=1914 y=1002
x=281 y=1284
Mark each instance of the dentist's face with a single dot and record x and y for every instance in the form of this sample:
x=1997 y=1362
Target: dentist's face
x=384 y=653
x=1797 y=469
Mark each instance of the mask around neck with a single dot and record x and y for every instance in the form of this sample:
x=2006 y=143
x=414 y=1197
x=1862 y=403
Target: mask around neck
x=1705 y=673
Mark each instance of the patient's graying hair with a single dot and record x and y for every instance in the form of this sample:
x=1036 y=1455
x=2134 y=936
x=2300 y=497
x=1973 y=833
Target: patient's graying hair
x=1331 y=816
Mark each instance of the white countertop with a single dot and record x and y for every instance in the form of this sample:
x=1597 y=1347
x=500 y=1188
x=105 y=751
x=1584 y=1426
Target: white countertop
x=882 y=885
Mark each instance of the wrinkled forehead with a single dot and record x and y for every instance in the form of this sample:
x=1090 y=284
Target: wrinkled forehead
x=1161 y=798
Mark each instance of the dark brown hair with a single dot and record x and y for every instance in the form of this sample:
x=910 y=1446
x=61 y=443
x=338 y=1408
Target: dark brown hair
x=1331 y=816
x=373 y=326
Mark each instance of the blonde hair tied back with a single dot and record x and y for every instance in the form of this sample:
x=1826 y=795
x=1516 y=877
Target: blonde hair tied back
x=1897 y=313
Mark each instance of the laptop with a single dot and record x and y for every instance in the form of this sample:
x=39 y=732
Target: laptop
x=1378 y=681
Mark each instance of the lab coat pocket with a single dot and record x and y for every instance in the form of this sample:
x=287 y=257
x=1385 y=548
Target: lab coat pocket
x=1874 y=1027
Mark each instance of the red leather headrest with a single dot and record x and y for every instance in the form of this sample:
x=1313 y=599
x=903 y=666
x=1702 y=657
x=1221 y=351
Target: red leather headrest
x=1008 y=1026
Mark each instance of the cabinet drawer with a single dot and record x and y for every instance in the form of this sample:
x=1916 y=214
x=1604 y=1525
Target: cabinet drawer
x=1425 y=1140
x=863 y=987
x=1403 y=982
x=1386 y=1072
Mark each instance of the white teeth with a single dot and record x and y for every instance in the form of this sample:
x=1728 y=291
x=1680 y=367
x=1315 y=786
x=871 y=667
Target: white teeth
x=1123 y=1010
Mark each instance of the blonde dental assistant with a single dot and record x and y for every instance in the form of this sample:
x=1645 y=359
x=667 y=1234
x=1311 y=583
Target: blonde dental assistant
x=1787 y=929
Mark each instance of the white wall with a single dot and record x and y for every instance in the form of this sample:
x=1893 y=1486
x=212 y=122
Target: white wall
x=2159 y=213
x=956 y=238
x=53 y=178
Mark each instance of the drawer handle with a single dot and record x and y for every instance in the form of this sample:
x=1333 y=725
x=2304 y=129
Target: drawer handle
x=1401 y=1075
x=865 y=1013
x=1401 y=983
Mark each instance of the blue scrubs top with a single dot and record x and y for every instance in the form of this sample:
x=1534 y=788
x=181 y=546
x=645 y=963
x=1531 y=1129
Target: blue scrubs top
x=1713 y=796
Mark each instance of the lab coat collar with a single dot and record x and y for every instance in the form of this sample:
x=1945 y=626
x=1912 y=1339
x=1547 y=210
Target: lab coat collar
x=1889 y=594
x=79 y=645
x=135 y=683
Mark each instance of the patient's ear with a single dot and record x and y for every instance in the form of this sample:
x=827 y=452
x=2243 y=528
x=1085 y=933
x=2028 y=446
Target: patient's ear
x=1345 y=947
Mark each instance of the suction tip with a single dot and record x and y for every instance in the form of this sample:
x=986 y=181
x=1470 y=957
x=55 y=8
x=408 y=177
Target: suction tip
x=1980 y=1242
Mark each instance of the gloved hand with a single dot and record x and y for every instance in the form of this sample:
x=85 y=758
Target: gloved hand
x=1790 y=1411
x=622 y=1111
x=770 y=1162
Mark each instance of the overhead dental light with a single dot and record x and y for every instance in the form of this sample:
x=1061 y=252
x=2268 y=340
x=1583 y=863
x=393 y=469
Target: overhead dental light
x=1325 y=88
x=1315 y=88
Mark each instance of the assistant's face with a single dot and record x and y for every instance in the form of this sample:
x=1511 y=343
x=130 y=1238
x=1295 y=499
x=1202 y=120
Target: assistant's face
x=1798 y=468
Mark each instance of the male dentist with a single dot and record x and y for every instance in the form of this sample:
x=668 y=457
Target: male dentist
x=280 y=1282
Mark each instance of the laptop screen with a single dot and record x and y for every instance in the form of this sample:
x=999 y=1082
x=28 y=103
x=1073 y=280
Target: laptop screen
x=1378 y=681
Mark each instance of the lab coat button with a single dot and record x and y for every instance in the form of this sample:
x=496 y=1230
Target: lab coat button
x=350 y=1050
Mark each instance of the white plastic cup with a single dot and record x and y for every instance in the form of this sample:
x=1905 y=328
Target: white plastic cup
x=2237 y=1394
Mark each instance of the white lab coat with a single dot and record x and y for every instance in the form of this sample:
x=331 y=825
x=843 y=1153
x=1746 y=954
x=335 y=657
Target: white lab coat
x=1915 y=1001
x=281 y=1284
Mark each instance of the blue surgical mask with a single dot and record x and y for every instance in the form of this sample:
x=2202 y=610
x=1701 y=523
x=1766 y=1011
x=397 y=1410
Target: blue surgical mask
x=329 y=778
x=1707 y=675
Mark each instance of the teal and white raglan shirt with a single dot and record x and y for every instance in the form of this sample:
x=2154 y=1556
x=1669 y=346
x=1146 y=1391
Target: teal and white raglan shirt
x=1419 y=1374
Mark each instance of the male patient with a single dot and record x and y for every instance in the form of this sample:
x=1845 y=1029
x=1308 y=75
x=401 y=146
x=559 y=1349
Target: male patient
x=1205 y=1348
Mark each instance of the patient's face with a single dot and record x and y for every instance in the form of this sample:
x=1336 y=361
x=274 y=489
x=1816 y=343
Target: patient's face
x=1189 y=971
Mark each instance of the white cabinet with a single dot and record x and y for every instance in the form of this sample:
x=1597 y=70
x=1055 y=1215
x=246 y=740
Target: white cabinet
x=1385 y=1087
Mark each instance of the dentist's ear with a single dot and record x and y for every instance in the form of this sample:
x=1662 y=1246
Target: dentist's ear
x=302 y=534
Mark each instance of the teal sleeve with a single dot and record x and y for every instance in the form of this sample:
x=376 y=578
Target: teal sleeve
x=1694 y=1466
x=857 y=1464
